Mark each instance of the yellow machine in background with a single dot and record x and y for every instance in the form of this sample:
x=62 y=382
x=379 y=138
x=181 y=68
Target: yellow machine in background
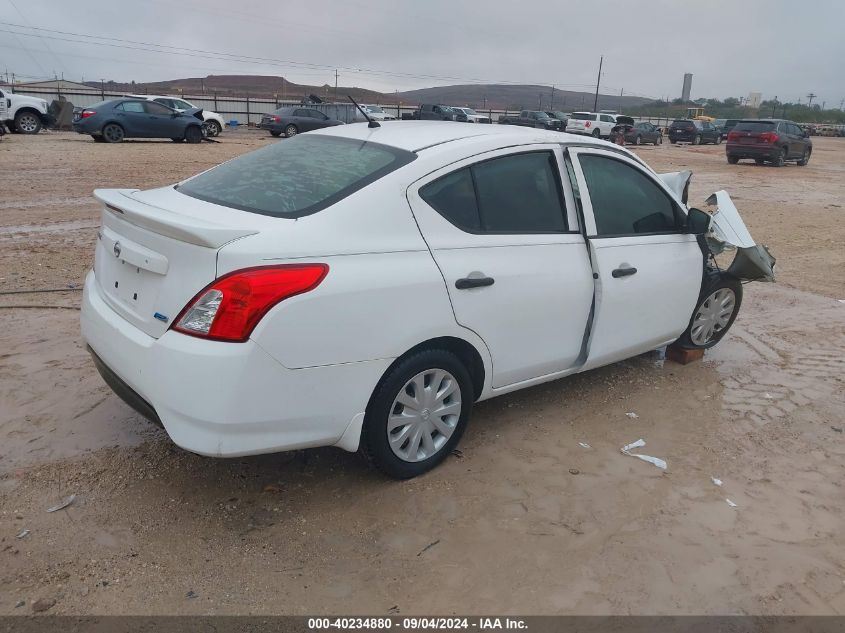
x=697 y=114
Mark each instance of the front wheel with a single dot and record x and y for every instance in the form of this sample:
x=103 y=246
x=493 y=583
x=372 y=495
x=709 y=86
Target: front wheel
x=718 y=305
x=417 y=413
x=733 y=160
x=696 y=140
x=780 y=159
x=638 y=140
x=27 y=123
x=596 y=133
x=213 y=127
x=805 y=158
x=291 y=131
x=193 y=134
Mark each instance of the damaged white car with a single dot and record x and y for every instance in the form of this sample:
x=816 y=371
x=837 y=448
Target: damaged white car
x=363 y=286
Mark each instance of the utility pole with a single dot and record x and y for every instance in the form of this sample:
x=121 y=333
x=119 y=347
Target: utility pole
x=552 y=102
x=823 y=102
x=335 y=85
x=598 y=81
x=810 y=96
x=774 y=105
x=621 y=92
x=540 y=101
x=841 y=104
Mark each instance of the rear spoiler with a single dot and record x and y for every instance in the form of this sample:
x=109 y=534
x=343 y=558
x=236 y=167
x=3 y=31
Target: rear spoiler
x=122 y=204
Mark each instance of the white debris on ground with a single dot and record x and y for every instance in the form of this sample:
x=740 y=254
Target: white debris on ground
x=632 y=415
x=718 y=482
x=730 y=503
x=626 y=450
x=583 y=445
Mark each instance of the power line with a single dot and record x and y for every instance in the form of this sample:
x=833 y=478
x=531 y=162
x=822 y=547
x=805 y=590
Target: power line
x=237 y=58
x=20 y=13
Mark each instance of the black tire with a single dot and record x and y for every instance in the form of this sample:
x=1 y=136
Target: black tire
x=113 y=133
x=638 y=140
x=213 y=128
x=27 y=122
x=759 y=161
x=596 y=133
x=780 y=159
x=177 y=140
x=291 y=130
x=275 y=133
x=374 y=435
x=714 y=281
x=733 y=160
x=696 y=140
x=193 y=134
x=805 y=158
x=673 y=141
x=718 y=140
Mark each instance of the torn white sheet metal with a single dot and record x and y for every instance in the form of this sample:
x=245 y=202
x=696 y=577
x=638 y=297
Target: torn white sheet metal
x=718 y=482
x=753 y=262
x=730 y=503
x=626 y=450
x=583 y=445
x=678 y=182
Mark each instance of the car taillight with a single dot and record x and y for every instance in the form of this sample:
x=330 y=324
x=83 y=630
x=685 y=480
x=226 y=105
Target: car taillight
x=586 y=124
x=230 y=307
x=86 y=113
x=732 y=136
x=768 y=137
x=277 y=119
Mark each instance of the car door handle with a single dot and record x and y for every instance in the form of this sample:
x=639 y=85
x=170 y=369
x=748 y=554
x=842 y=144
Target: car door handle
x=624 y=272
x=473 y=282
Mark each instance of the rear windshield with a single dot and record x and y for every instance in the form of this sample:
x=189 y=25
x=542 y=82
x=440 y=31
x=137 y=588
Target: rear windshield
x=296 y=177
x=579 y=116
x=754 y=126
x=682 y=124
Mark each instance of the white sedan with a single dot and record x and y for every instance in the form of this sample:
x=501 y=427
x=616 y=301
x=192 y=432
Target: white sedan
x=362 y=287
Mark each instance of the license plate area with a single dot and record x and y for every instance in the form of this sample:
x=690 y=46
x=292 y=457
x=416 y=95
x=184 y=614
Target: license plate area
x=131 y=287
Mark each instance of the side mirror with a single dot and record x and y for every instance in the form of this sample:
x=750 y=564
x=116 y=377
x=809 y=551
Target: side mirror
x=698 y=222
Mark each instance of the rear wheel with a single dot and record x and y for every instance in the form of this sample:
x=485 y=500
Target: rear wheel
x=718 y=305
x=275 y=133
x=673 y=141
x=805 y=158
x=113 y=133
x=27 y=122
x=291 y=130
x=417 y=413
x=696 y=140
x=718 y=140
x=733 y=160
x=780 y=159
x=193 y=134
x=596 y=133
x=638 y=140
x=659 y=140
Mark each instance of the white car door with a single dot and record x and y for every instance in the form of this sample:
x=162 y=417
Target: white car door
x=649 y=270
x=503 y=231
x=4 y=111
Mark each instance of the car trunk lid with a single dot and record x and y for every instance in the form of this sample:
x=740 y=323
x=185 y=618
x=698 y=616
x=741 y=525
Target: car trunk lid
x=150 y=261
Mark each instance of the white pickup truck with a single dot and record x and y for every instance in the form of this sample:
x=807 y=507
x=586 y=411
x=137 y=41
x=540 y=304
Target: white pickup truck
x=21 y=113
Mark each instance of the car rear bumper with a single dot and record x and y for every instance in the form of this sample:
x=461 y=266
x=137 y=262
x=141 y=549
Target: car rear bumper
x=752 y=151
x=225 y=399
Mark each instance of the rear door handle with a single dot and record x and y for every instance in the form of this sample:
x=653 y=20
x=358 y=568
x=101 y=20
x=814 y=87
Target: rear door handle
x=473 y=282
x=624 y=272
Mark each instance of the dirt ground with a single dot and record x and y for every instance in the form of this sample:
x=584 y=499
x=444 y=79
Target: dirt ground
x=524 y=520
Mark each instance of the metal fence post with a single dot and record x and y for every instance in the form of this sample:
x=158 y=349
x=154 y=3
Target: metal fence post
x=247 y=110
x=215 y=101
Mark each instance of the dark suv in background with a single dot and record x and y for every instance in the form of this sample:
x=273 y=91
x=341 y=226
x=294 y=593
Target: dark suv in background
x=695 y=132
x=772 y=140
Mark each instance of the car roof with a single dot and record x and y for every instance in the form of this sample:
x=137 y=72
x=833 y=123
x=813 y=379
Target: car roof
x=416 y=136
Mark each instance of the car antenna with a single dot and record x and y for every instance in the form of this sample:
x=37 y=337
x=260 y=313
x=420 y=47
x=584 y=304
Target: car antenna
x=366 y=116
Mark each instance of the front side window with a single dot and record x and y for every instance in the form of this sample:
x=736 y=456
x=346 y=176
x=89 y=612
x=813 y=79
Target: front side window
x=301 y=176
x=512 y=194
x=625 y=200
x=606 y=118
x=181 y=105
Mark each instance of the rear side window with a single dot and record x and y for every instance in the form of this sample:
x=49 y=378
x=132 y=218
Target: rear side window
x=131 y=106
x=754 y=126
x=625 y=201
x=299 y=177
x=512 y=194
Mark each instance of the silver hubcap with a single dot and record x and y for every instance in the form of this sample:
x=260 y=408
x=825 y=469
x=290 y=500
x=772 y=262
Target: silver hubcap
x=424 y=415
x=291 y=131
x=27 y=123
x=213 y=128
x=113 y=133
x=713 y=316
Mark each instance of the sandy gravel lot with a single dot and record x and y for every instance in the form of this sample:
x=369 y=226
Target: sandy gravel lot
x=505 y=527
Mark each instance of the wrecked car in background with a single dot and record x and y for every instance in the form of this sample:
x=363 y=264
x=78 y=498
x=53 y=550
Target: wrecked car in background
x=118 y=119
x=363 y=287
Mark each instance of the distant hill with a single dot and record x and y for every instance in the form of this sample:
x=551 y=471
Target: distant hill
x=517 y=97
x=498 y=96
x=263 y=86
